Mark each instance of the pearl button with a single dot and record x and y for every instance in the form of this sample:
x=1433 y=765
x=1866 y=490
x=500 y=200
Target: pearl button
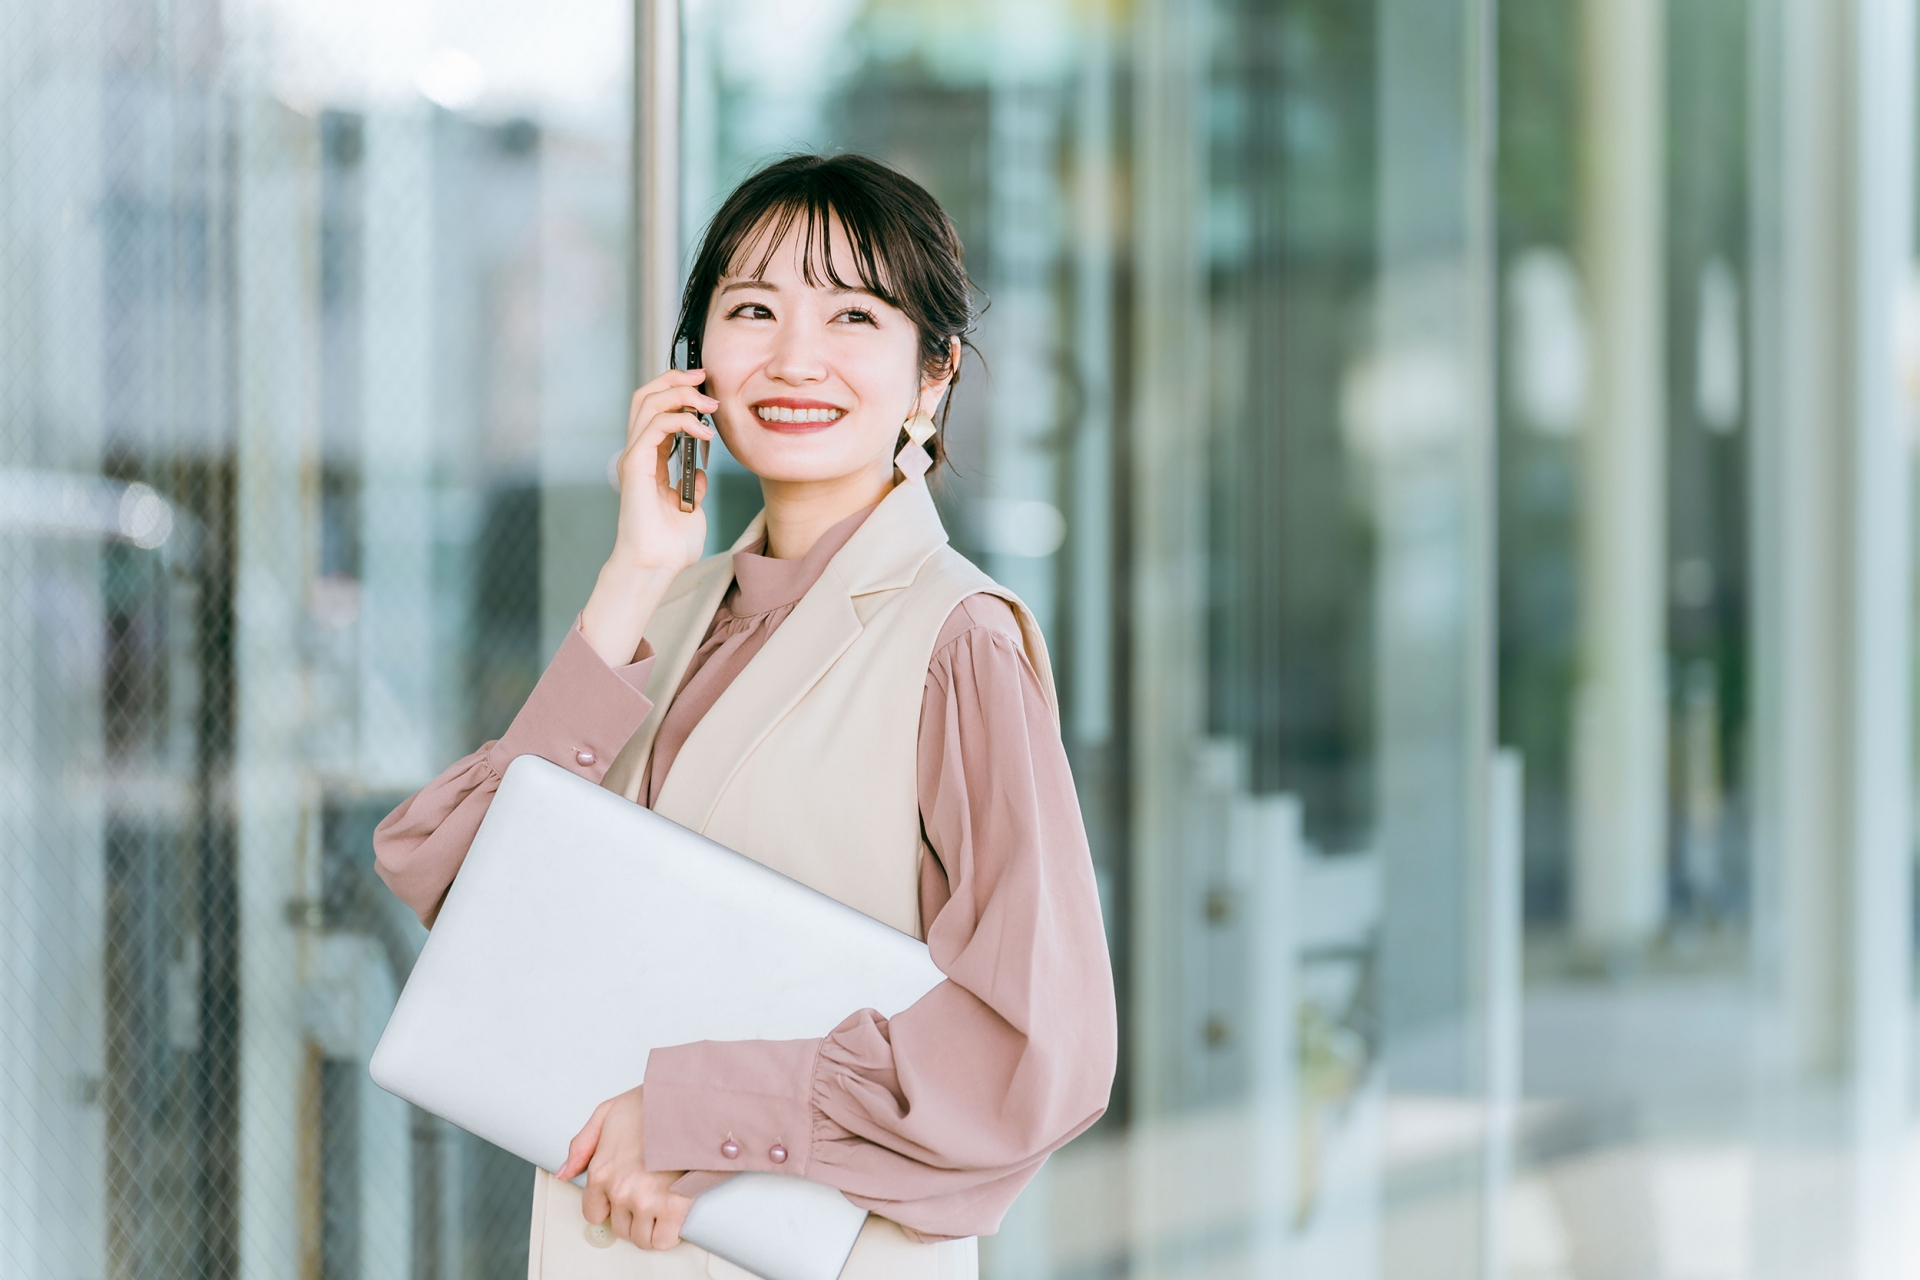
x=730 y=1149
x=600 y=1235
x=586 y=759
x=778 y=1155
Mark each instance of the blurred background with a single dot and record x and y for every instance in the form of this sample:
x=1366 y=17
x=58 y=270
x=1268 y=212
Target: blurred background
x=1461 y=455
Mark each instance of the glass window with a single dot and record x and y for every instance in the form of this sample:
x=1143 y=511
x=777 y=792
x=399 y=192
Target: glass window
x=313 y=339
x=1228 y=438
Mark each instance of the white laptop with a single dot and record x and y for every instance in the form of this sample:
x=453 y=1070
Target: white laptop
x=503 y=1029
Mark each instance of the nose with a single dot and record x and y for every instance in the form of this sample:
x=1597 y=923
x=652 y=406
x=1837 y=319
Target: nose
x=797 y=357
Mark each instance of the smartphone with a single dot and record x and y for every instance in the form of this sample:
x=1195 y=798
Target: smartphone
x=686 y=355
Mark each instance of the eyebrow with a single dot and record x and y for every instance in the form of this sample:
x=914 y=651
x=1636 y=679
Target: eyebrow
x=750 y=283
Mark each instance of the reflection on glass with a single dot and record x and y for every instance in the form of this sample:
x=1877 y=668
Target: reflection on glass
x=308 y=312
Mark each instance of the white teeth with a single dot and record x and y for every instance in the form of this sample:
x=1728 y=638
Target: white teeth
x=775 y=413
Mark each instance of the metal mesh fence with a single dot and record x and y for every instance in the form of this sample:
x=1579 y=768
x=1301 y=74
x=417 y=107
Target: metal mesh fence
x=283 y=414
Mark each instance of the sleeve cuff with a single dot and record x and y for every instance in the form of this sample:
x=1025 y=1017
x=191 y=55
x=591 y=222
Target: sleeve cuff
x=754 y=1095
x=582 y=711
x=635 y=673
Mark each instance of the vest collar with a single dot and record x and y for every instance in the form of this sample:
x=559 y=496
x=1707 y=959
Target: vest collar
x=887 y=550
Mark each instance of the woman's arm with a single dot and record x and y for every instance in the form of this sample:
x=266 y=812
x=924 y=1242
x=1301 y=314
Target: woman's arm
x=589 y=701
x=937 y=1118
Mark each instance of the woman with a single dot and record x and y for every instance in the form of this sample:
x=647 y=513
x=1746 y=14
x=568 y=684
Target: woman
x=846 y=699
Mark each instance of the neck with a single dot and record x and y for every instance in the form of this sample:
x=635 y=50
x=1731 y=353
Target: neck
x=799 y=511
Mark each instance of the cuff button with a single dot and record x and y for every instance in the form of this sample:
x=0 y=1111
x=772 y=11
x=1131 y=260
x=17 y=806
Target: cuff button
x=586 y=758
x=730 y=1149
x=600 y=1235
x=778 y=1155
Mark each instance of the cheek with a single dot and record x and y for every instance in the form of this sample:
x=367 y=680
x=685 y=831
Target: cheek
x=729 y=367
x=727 y=357
x=886 y=377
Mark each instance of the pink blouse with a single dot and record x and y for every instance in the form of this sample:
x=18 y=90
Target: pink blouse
x=937 y=1117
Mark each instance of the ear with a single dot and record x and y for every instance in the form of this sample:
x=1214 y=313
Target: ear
x=930 y=392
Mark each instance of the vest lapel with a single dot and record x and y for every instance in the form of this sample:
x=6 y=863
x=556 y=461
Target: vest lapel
x=885 y=552
x=680 y=623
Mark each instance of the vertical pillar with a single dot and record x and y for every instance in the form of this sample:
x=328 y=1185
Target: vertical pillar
x=1422 y=406
x=1832 y=633
x=276 y=301
x=52 y=805
x=1022 y=515
x=1267 y=838
x=389 y=1216
x=1167 y=545
x=399 y=659
x=1502 y=1025
x=1620 y=723
x=1092 y=543
x=1879 y=655
x=656 y=178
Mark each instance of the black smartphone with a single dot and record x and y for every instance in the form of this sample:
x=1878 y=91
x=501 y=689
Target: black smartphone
x=686 y=355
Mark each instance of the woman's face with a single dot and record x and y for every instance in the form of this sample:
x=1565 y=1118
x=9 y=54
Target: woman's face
x=813 y=381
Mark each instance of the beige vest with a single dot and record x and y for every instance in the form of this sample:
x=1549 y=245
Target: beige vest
x=806 y=763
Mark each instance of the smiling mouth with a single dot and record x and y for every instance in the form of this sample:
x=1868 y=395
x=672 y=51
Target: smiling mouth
x=780 y=413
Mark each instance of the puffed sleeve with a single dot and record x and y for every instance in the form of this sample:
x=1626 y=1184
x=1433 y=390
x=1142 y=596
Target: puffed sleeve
x=938 y=1117
x=579 y=716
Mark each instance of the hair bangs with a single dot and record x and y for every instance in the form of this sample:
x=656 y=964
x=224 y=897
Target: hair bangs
x=814 y=211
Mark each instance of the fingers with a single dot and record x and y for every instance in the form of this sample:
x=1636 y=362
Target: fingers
x=671 y=378
x=667 y=1223
x=667 y=416
x=669 y=487
x=647 y=407
x=603 y=1198
x=639 y=1209
x=651 y=445
x=581 y=1149
x=596 y=1205
x=647 y=458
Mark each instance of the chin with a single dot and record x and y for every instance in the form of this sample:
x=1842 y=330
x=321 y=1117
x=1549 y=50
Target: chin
x=795 y=474
x=800 y=458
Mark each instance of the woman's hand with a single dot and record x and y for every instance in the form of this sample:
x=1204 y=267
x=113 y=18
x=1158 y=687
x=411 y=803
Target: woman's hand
x=638 y=1205
x=654 y=539
x=654 y=533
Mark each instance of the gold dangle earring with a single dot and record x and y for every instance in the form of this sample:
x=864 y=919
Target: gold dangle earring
x=913 y=459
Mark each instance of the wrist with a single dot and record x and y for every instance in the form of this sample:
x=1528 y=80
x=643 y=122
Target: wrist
x=633 y=579
x=616 y=614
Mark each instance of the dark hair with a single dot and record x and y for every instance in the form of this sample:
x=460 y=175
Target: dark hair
x=905 y=251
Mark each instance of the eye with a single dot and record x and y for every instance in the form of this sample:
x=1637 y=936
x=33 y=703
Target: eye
x=856 y=315
x=750 y=311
